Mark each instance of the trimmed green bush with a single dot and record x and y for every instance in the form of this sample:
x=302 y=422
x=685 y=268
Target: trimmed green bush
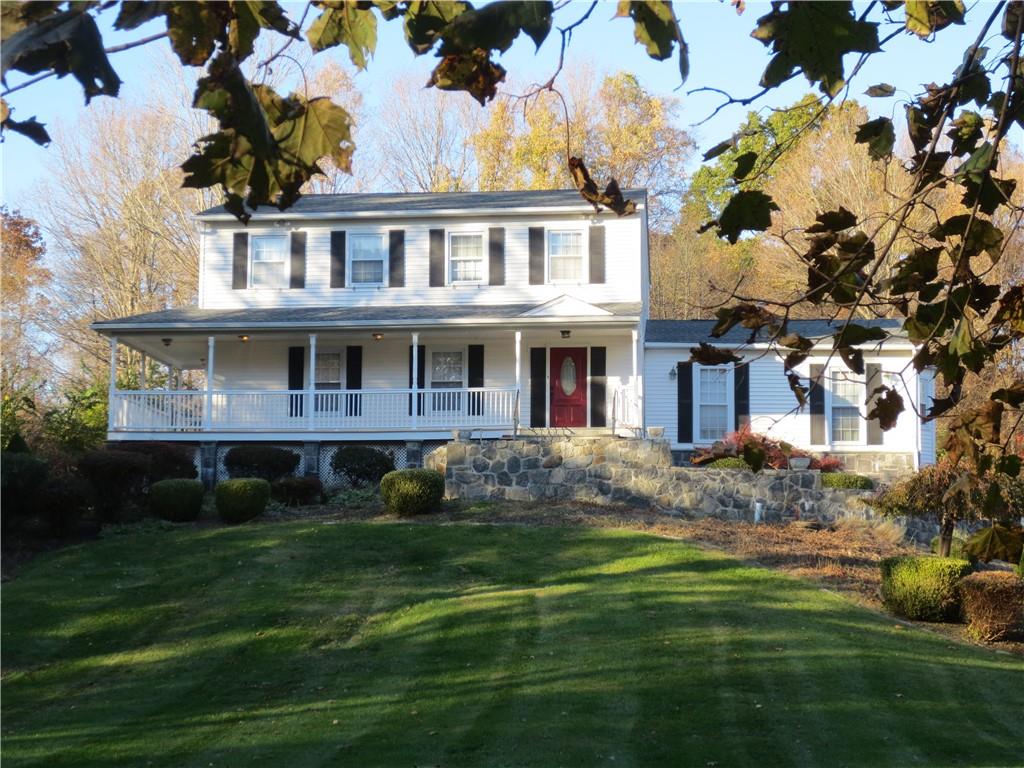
x=167 y=461
x=297 y=491
x=729 y=462
x=241 y=498
x=362 y=465
x=262 y=461
x=21 y=477
x=179 y=500
x=412 y=491
x=993 y=603
x=118 y=479
x=956 y=548
x=847 y=480
x=923 y=587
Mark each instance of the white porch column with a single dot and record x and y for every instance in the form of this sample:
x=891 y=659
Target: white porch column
x=208 y=412
x=415 y=379
x=519 y=379
x=111 y=399
x=636 y=377
x=142 y=370
x=312 y=380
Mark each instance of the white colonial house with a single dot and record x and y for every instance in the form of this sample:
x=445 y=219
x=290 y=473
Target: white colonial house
x=397 y=318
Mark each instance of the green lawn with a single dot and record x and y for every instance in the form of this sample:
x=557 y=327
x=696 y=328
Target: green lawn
x=307 y=644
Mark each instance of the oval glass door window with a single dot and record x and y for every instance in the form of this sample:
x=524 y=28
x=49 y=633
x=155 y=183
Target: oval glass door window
x=568 y=376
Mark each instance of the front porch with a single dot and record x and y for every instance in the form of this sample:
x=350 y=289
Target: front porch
x=356 y=384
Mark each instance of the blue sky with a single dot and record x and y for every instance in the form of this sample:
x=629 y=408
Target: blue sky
x=722 y=55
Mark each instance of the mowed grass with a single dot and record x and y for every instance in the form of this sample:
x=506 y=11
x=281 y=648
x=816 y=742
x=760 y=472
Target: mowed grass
x=308 y=644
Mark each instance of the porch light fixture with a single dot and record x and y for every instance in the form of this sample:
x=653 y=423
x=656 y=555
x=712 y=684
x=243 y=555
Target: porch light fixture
x=378 y=336
x=672 y=373
x=166 y=342
x=243 y=338
x=566 y=334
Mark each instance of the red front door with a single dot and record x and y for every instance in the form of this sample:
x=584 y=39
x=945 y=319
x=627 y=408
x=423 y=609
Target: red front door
x=569 y=387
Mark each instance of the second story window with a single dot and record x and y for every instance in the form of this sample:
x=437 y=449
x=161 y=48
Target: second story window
x=269 y=261
x=565 y=256
x=367 y=254
x=466 y=258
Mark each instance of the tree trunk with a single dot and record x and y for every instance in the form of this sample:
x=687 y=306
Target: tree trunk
x=946 y=535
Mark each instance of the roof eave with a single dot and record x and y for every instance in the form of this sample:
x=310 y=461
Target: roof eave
x=582 y=208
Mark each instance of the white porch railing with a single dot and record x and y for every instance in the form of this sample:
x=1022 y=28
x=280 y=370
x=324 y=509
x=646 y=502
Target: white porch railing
x=625 y=408
x=320 y=410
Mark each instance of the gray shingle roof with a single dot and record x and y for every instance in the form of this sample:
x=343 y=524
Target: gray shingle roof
x=695 y=331
x=292 y=316
x=428 y=203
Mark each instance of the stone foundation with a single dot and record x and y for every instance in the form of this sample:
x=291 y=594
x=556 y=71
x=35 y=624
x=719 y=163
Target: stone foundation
x=604 y=470
x=879 y=466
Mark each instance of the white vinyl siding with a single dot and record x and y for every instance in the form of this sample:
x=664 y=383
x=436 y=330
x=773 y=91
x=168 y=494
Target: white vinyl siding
x=712 y=403
x=565 y=256
x=268 y=267
x=466 y=257
x=367 y=256
x=847 y=394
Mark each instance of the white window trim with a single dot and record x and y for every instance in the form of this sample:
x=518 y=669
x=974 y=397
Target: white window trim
x=861 y=406
x=386 y=261
x=253 y=237
x=730 y=400
x=584 y=277
x=484 y=258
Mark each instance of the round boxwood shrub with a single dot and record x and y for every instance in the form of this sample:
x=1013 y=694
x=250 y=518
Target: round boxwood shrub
x=993 y=605
x=118 y=479
x=847 y=480
x=297 y=491
x=264 y=461
x=241 y=499
x=167 y=461
x=21 y=477
x=362 y=465
x=178 y=500
x=923 y=587
x=729 y=462
x=412 y=491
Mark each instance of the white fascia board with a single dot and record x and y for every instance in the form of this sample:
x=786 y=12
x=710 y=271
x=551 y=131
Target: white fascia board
x=894 y=345
x=109 y=329
x=584 y=208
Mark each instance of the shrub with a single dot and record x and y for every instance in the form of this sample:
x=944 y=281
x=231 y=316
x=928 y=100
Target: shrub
x=827 y=464
x=993 y=605
x=17 y=444
x=847 y=480
x=295 y=491
x=412 y=491
x=923 y=587
x=241 y=499
x=167 y=461
x=997 y=542
x=729 y=462
x=21 y=477
x=63 y=504
x=956 y=548
x=262 y=461
x=179 y=500
x=1020 y=566
x=117 y=479
x=362 y=465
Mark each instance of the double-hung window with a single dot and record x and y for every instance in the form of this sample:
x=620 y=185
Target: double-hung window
x=447 y=372
x=847 y=393
x=465 y=258
x=269 y=267
x=713 y=403
x=327 y=377
x=565 y=256
x=367 y=256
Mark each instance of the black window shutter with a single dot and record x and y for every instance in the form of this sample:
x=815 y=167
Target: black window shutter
x=421 y=376
x=538 y=386
x=597 y=254
x=874 y=373
x=496 y=254
x=598 y=386
x=396 y=258
x=296 y=369
x=298 y=270
x=338 y=259
x=475 y=378
x=536 y=255
x=240 y=262
x=684 y=402
x=741 y=385
x=436 y=258
x=353 y=380
x=817 y=400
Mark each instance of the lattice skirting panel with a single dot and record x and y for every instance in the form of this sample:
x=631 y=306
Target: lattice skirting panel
x=223 y=448
x=334 y=481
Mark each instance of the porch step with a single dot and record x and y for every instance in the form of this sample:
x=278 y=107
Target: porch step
x=566 y=432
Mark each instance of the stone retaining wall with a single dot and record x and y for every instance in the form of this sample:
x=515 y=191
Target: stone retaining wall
x=633 y=471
